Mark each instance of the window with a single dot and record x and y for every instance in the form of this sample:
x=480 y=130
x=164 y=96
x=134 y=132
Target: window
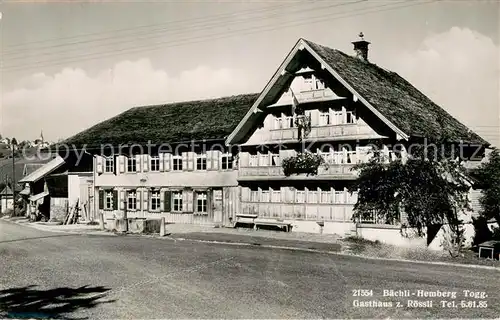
x=254 y=160
x=319 y=84
x=227 y=162
x=201 y=202
x=132 y=200
x=177 y=199
x=131 y=164
x=351 y=117
x=351 y=157
x=155 y=163
x=263 y=159
x=325 y=196
x=339 y=197
x=275 y=159
x=254 y=195
x=276 y=196
x=201 y=162
x=264 y=196
x=155 y=200
x=312 y=196
x=109 y=164
x=300 y=196
x=324 y=118
x=177 y=163
x=278 y=123
x=108 y=205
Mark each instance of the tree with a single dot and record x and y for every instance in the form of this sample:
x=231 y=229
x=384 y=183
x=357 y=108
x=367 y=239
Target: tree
x=489 y=175
x=428 y=189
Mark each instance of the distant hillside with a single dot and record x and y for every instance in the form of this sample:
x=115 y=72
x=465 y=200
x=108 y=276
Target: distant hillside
x=6 y=169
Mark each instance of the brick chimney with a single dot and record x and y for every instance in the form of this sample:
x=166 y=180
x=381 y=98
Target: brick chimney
x=361 y=47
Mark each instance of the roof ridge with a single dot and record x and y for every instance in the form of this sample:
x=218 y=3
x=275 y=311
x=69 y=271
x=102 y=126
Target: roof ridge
x=193 y=101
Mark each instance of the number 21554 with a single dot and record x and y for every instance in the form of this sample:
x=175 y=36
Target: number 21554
x=362 y=293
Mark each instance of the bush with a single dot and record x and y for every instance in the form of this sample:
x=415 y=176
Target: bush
x=306 y=162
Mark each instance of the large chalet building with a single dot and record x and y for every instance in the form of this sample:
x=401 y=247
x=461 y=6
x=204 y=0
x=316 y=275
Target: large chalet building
x=219 y=161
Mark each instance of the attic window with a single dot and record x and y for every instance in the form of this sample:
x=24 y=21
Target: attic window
x=351 y=117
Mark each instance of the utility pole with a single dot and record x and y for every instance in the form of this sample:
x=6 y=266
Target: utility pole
x=13 y=142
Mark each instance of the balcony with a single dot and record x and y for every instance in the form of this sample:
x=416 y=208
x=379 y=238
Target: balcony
x=329 y=172
x=307 y=96
x=343 y=131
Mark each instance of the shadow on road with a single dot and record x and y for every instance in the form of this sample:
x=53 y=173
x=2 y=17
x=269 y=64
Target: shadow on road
x=28 y=302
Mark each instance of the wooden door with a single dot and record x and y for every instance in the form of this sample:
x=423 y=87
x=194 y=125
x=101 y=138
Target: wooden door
x=217 y=205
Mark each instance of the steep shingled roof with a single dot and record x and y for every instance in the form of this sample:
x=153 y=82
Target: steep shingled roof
x=395 y=98
x=391 y=95
x=169 y=123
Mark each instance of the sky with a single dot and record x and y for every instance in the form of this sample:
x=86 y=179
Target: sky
x=68 y=65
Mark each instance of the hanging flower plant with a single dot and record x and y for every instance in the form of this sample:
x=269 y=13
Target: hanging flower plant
x=303 y=163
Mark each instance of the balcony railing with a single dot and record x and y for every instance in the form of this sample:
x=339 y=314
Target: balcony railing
x=339 y=130
x=339 y=171
x=307 y=96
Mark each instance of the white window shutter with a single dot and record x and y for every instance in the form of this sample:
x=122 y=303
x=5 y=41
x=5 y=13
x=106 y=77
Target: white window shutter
x=138 y=163
x=190 y=200
x=191 y=160
x=99 y=164
x=121 y=199
x=244 y=159
x=121 y=161
x=184 y=161
x=145 y=199
x=161 y=156
x=138 y=194
x=162 y=200
x=145 y=165
x=216 y=157
x=167 y=161
x=314 y=118
x=210 y=154
x=185 y=201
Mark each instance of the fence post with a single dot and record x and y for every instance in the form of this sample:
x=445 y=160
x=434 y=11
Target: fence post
x=162 y=227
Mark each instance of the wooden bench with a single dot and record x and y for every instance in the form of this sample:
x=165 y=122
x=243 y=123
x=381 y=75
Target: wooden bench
x=492 y=246
x=276 y=223
x=244 y=218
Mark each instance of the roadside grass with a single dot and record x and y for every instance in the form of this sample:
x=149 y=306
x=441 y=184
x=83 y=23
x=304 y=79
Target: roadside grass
x=360 y=246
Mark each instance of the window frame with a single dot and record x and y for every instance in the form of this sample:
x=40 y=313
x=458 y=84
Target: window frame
x=108 y=160
x=203 y=197
x=177 y=160
x=132 y=199
x=325 y=115
x=154 y=160
x=108 y=196
x=201 y=162
x=228 y=159
x=131 y=162
x=155 y=195
x=177 y=201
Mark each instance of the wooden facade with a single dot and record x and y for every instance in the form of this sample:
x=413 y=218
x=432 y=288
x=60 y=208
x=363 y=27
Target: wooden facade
x=351 y=105
x=195 y=187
